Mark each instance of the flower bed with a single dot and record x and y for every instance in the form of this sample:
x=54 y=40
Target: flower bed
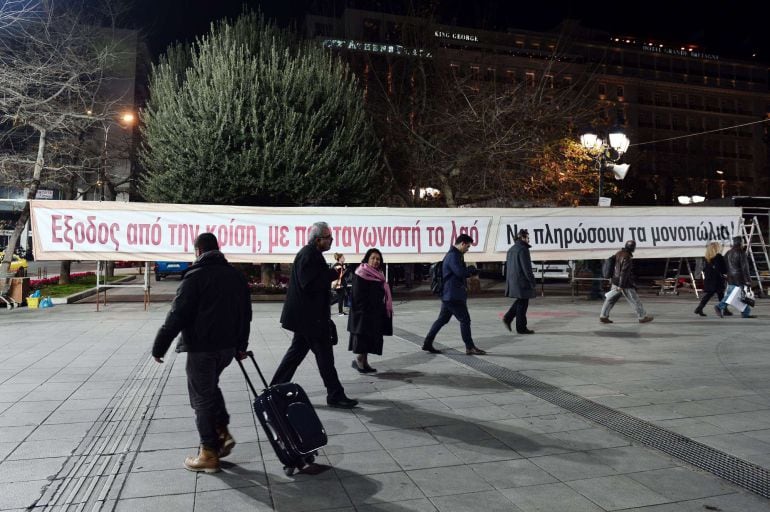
x=36 y=284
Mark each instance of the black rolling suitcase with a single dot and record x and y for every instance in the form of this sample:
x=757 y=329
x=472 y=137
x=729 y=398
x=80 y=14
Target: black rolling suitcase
x=289 y=420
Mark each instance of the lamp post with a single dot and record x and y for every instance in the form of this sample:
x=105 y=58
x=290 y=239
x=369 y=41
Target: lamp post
x=606 y=152
x=124 y=120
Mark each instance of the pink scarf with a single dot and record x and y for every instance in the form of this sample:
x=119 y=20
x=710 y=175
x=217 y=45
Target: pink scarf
x=365 y=271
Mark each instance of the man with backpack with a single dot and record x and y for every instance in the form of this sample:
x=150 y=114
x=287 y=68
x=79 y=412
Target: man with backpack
x=519 y=283
x=454 y=296
x=623 y=285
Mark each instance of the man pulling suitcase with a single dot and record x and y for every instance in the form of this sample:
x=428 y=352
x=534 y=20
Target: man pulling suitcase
x=212 y=310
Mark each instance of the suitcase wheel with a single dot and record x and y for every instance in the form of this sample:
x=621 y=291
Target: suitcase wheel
x=288 y=470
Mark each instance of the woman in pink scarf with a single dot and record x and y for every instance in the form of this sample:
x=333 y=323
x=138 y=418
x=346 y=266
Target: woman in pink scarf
x=371 y=311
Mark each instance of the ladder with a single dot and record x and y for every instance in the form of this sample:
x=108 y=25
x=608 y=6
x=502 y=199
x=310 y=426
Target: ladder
x=672 y=272
x=756 y=250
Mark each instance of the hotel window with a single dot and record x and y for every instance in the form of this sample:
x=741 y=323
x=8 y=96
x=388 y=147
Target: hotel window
x=490 y=75
x=392 y=32
x=323 y=29
x=567 y=81
x=519 y=44
x=645 y=119
x=475 y=75
x=530 y=77
x=549 y=81
x=371 y=30
x=601 y=90
x=455 y=69
x=510 y=76
x=620 y=92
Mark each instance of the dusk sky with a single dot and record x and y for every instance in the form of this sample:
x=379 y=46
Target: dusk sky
x=731 y=29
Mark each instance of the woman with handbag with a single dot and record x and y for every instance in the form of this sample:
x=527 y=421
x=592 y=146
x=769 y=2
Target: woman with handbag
x=714 y=272
x=338 y=285
x=371 y=311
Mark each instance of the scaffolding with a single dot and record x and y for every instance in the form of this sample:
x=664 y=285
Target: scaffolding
x=756 y=250
x=675 y=269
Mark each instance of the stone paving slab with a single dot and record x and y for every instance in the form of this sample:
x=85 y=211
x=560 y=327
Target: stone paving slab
x=430 y=434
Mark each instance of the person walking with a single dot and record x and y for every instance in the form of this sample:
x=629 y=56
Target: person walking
x=737 y=276
x=623 y=285
x=306 y=313
x=212 y=310
x=371 y=311
x=339 y=283
x=714 y=273
x=454 y=297
x=519 y=282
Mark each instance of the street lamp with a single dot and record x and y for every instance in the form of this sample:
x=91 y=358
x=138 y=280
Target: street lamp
x=690 y=199
x=124 y=120
x=606 y=153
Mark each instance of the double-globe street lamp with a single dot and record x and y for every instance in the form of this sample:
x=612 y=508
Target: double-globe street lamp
x=606 y=153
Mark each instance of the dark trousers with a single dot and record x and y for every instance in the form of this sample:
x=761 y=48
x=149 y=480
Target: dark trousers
x=518 y=310
x=707 y=297
x=341 y=298
x=324 y=357
x=203 y=371
x=460 y=311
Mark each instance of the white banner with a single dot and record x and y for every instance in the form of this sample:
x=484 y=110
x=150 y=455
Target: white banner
x=82 y=230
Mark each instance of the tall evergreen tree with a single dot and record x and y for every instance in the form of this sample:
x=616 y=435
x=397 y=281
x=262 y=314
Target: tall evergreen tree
x=249 y=114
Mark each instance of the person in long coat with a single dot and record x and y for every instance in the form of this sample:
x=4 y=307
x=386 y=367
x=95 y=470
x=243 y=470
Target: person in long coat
x=371 y=311
x=519 y=283
x=714 y=272
x=306 y=313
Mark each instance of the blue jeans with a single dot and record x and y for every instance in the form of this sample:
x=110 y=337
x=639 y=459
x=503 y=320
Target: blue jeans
x=723 y=304
x=460 y=311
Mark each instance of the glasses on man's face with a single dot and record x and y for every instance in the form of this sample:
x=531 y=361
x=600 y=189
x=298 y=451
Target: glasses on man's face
x=327 y=237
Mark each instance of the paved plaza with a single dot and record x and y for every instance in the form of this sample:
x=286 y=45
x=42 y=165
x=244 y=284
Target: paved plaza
x=89 y=422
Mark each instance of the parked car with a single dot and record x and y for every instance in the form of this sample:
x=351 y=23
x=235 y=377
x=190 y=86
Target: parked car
x=16 y=264
x=169 y=268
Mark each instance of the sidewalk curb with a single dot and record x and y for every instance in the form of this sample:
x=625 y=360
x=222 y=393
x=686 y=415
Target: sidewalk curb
x=71 y=299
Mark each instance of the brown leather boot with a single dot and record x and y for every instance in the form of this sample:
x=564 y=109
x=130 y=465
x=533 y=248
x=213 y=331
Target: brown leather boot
x=226 y=441
x=207 y=461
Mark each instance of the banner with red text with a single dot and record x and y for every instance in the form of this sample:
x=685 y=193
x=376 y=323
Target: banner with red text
x=79 y=230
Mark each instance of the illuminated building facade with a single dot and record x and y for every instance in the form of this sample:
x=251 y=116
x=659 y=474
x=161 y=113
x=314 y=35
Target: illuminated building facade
x=696 y=120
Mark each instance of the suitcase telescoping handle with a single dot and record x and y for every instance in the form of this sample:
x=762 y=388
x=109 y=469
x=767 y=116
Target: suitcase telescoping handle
x=248 y=380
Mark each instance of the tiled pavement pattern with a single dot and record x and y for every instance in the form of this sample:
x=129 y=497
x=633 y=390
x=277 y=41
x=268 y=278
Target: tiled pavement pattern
x=88 y=422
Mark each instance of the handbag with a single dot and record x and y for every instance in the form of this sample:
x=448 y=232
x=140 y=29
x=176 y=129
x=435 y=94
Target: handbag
x=747 y=297
x=333 y=332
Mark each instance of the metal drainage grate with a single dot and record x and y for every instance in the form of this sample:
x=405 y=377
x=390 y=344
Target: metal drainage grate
x=735 y=470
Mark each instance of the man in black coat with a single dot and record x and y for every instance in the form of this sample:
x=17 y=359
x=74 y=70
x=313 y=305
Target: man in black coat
x=519 y=283
x=306 y=314
x=623 y=285
x=738 y=276
x=212 y=310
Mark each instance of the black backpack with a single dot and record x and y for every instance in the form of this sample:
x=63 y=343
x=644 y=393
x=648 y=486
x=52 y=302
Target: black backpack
x=608 y=267
x=437 y=277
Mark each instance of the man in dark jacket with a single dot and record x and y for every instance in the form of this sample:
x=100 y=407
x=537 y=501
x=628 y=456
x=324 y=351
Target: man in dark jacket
x=738 y=276
x=623 y=285
x=454 y=297
x=306 y=314
x=519 y=282
x=212 y=310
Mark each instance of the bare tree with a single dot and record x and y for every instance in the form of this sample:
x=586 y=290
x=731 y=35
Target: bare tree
x=54 y=78
x=469 y=126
